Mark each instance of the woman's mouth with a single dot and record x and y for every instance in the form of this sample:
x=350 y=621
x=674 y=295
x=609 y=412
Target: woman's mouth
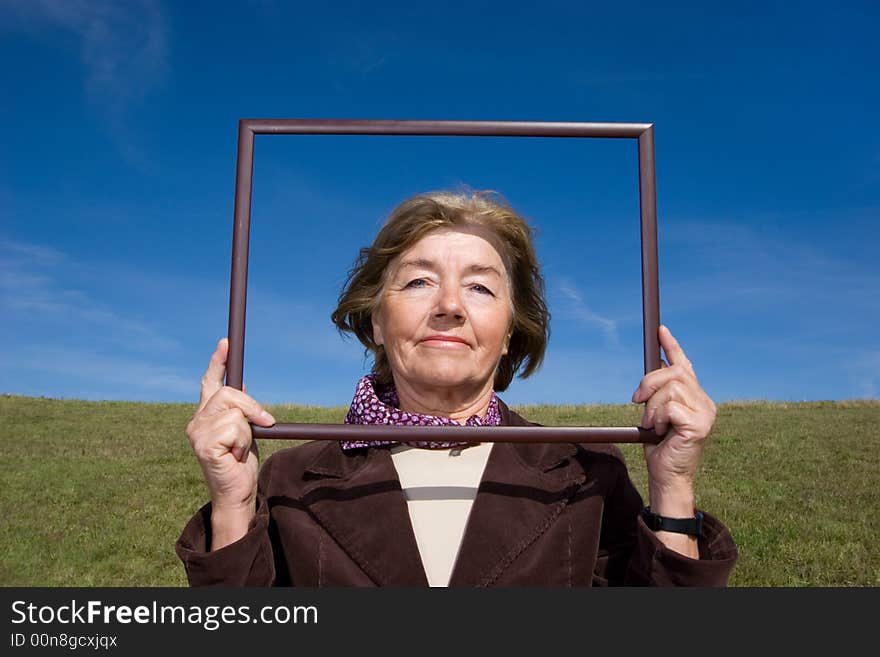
x=445 y=341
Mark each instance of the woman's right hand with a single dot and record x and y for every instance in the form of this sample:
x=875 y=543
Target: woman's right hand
x=221 y=439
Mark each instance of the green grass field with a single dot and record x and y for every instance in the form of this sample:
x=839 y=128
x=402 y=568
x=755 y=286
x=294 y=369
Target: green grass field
x=96 y=493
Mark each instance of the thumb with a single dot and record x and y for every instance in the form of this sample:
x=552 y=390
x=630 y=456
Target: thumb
x=212 y=380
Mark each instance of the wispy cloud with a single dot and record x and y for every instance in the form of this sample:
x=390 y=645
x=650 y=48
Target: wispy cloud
x=580 y=375
x=101 y=376
x=37 y=254
x=750 y=267
x=297 y=327
x=124 y=51
x=865 y=373
x=37 y=283
x=576 y=308
x=803 y=305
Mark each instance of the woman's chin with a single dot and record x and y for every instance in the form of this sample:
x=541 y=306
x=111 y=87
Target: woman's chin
x=445 y=376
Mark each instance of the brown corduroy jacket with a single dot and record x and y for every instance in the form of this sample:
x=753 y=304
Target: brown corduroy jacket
x=546 y=514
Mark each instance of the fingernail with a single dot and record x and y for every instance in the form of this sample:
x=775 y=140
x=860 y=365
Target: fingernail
x=267 y=416
x=635 y=395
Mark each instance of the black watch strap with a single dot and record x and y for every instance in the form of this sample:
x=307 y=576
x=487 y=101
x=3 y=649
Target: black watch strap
x=692 y=526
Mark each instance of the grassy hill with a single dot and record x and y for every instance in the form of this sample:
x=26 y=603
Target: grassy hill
x=96 y=493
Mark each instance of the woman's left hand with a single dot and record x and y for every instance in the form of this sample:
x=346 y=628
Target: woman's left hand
x=675 y=405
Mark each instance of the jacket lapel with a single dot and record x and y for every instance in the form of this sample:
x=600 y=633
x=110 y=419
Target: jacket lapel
x=358 y=500
x=521 y=494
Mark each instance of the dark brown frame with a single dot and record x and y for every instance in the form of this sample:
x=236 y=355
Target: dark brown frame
x=249 y=128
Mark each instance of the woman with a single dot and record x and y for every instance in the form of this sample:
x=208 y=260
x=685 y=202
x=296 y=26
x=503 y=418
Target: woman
x=449 y=300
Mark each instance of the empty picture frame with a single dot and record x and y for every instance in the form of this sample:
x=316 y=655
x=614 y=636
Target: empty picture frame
x=249 y=128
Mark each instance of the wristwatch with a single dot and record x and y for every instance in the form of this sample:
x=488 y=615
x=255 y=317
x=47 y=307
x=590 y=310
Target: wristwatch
x=692 y=526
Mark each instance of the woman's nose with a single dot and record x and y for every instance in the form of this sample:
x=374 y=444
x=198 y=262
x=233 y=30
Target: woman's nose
x=449 y=302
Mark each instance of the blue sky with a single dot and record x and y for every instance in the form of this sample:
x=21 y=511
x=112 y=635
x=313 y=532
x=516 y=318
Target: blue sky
x=117 y=167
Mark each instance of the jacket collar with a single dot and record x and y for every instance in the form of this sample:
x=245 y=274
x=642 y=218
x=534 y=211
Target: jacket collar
x=357 y=498
x=543 y=457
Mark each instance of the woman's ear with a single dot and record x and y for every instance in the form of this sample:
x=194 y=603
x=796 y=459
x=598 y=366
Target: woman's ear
x=506 y=344
x=378 y=340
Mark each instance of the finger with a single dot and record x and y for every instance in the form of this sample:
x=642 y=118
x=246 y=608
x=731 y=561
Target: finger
x=674 y=391
x=674 y=353
x=231 y=416
x=212 y=380
x=245 y=444
x=227 y=398
x=673 y=414
x=231 y=431
x=655 y=380
x=204 y=426
x=234 y=438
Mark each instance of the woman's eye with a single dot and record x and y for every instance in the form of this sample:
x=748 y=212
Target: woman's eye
x=482 y=289
x=415 y=283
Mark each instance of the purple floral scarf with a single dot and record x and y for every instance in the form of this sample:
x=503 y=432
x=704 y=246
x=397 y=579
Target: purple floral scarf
x=382 y=407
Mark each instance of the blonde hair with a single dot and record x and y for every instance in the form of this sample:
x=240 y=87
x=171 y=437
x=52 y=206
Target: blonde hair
x=420 y=215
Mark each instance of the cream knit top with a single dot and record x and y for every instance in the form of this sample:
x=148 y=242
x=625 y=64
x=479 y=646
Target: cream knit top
x=440 y=486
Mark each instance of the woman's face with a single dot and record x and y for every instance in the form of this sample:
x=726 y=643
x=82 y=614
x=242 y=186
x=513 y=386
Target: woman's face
x=445 y=314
